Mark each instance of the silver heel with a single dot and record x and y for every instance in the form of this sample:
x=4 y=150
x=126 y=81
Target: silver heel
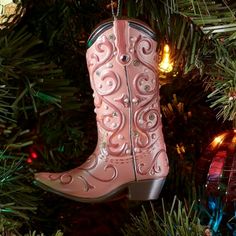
x=145 y=189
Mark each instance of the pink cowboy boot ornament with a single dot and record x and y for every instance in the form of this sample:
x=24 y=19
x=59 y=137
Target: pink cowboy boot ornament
x=130 y=156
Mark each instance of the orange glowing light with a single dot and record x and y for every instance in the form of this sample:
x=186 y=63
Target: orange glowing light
x=234 y=138
x=166 y=65
x=218 y=140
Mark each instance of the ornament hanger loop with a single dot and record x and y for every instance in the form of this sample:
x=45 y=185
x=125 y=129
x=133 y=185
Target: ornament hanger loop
x=118 y=8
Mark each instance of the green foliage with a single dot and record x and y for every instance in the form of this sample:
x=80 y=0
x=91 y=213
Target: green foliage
x=179 y=220
x=184 y=40
x=34 y=233
x=224 y=94
x=201 y=35
x=31 y=87
x=188 y=127
x=31 y=233
x=216 y=57
x=21 y=73
x=16 y=193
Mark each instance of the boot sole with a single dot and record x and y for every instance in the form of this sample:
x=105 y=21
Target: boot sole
x=143 y=190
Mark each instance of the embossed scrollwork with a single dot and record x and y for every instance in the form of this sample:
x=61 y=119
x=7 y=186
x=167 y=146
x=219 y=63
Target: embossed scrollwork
x=146 y=121
x=64 y=178
x=153 y=167
x=107 y=83
x=145 y=83
x=109 y=173
x=114 y=123
x=103 y=53
x=144 y=47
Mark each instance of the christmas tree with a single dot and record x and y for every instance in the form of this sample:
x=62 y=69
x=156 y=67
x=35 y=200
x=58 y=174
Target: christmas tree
x=48 y=123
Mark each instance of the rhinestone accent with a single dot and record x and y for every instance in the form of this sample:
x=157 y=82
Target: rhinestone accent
x=124 y=58
x=151 y=117
x=135 y=100
x=146 y=88
x=112 y=37
x=126 y=100
x=114 y=125
x=128 y=151
x=107 y=119
x=109 y=65
x=141 y=122
x=153 y=136
x=109 y=83
x=120 y=137
x=136 y=62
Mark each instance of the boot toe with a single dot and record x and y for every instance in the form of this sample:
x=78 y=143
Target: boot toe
x=42 y=178
x=47 y=180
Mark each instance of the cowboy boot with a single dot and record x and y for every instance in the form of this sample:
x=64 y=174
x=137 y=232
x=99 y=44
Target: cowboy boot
x=130 y=156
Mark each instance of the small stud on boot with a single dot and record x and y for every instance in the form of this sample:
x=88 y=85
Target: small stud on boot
x=130 y=156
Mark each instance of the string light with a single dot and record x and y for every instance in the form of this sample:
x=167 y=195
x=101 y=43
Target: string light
x=166 y=65
x=218 y=140
x=32 y=155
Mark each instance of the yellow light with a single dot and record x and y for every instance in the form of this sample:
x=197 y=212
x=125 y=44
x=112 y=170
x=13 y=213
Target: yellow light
x=166 y=65
x=218 y=140
x=8 y=11
x=234 y=138
x=180 y=148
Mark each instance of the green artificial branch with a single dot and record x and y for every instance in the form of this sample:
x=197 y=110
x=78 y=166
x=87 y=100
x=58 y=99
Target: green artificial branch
x=179 y=219
x=224 y=94
x=218 y=23
x=34 y=233
x=16 y=193
x=30 y=85
x=201 y=34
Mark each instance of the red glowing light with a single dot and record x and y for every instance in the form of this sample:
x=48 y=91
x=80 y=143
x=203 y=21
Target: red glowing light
x=34 y=155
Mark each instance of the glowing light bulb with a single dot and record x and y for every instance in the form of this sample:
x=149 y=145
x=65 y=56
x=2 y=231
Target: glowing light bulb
x=34 y=155
x=166 y=65
x=218 y=140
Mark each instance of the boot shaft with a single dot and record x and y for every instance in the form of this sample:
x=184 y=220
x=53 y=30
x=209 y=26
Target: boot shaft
x=122 y=62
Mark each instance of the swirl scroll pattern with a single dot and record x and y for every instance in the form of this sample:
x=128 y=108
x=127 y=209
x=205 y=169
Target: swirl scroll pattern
x=147 y=118
x=106 y=82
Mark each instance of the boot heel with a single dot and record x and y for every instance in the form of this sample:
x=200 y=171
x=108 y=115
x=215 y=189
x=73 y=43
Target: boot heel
x=145 y=189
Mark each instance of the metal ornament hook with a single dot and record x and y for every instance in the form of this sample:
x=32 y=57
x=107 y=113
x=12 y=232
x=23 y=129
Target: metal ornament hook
x=118 y=9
